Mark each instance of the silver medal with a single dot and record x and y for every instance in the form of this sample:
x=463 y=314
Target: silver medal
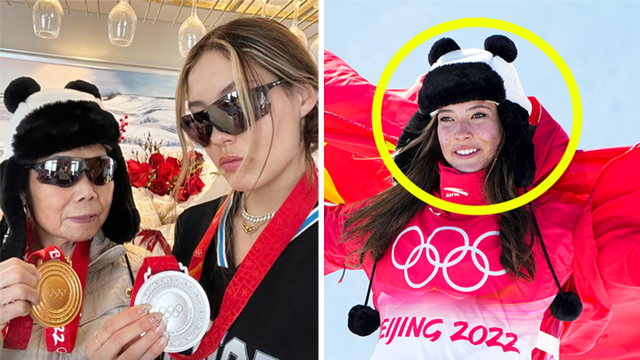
x=183 y=304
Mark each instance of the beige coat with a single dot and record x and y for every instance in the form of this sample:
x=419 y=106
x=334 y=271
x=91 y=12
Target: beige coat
x=104 y=297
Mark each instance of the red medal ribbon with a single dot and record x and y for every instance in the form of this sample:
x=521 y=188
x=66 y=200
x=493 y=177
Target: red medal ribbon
x=151 y=238
x=263 y=254
x=156 y=264
x=62 y=339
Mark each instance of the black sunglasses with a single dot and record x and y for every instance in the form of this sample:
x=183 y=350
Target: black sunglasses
x=64 y=171
x=225 y=114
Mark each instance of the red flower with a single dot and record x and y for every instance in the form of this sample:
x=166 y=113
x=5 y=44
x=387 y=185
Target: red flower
x=167 y=172
x=173 y=161
x=195 y=157
x=159 y=187
x=194 y=185
x=183 y=194
x=138 y=173
x=156 y=159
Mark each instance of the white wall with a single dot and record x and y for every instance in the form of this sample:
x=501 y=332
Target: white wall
x=82 y=36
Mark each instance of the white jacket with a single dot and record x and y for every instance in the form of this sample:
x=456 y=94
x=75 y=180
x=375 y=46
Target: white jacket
x=104 y=297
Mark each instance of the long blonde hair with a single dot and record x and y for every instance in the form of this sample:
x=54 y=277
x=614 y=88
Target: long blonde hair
x=250 y=43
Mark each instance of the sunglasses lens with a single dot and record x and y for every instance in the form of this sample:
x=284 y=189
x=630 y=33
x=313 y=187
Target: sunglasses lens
x=226 y=115
x=65 y=171
x=56 y=171
x=198 y=127
x=100 y=170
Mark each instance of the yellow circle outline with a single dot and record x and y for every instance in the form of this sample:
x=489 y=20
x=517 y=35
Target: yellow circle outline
x=376 y=113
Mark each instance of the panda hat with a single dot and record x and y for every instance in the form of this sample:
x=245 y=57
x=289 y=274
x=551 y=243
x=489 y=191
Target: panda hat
x=458 y=76
x=48 y=122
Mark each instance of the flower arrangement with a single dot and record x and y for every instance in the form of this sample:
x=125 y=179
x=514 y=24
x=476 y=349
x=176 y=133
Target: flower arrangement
x=159 y=173
x=153 y=176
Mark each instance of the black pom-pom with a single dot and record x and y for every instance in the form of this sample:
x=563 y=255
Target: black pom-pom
x=363 y=320
x=18 y=91
x=566 y=306
x=84 y=86
x=502 y=46
x=441 y=47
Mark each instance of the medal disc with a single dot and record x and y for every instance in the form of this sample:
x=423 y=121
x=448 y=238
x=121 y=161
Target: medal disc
x=184 y=306
x=60 y=294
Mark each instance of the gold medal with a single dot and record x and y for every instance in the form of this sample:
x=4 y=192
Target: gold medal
x=60 y=294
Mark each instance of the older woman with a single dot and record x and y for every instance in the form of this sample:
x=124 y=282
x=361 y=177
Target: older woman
x=458 y=286
x=66 y=196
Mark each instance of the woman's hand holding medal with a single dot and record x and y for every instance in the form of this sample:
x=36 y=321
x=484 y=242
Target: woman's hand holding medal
x=18 y=292
x=133 y=334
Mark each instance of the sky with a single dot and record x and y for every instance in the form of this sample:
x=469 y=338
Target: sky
x=596 y=39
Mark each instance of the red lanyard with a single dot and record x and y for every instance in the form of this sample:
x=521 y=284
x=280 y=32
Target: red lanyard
x=62 y=339
x=153 y=265
x=265 y=251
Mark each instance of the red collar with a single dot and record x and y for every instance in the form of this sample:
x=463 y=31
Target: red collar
x=461 y=188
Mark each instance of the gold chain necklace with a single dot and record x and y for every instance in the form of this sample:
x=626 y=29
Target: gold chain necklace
x=252 y=222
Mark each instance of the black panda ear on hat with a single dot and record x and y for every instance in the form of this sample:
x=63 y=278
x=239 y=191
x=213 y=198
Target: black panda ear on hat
x=441 y=47
x=84 y=86
x=18 y=91
x=502 y=46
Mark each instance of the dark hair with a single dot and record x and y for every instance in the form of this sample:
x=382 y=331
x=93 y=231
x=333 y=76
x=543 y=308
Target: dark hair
x=395 y=206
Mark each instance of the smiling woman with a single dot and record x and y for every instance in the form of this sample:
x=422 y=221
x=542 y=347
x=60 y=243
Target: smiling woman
x=470 y=134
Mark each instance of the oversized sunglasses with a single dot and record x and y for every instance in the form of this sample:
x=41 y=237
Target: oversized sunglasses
x=64 y=171
x=225 y=114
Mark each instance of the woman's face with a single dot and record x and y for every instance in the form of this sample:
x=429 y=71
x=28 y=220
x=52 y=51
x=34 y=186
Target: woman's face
x=74 y=213
x=469 y=134
x=210 y=79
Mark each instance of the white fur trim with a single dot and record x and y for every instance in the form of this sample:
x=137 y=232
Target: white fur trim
x=36 y=101
x=508 y=73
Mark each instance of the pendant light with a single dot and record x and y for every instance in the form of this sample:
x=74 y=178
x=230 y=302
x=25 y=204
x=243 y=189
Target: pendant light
x=294 y=27
x=191 y=31
x=122 y=24
x=47 y=18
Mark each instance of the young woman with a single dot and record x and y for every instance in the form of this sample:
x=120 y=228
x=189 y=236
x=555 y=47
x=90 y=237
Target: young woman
x=454 y=286
x=248 y=95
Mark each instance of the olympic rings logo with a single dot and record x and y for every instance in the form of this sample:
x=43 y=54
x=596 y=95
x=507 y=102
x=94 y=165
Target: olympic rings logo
x=171 y=311
x=428 y=248
x=56 y=293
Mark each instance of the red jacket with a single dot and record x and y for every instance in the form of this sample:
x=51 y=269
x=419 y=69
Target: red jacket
x=439 y=265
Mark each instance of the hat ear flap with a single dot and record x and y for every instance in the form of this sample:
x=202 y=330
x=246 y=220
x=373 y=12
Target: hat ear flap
x=441 y=47
x=18 y=91
x=414 y=127
x=123 y=222
x=518 y=142
x=84 y=86
x=15 y=240
x=502 y=46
